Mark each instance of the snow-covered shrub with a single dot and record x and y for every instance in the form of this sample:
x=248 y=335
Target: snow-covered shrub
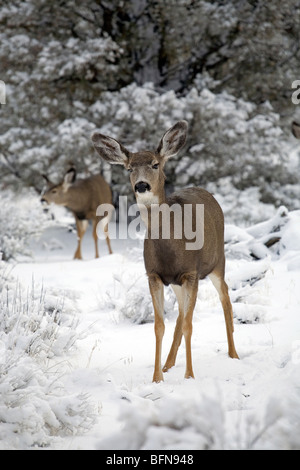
x=260 y=242
x=163 y=421
x=170 y=423
x=22 y=220
x=241 y=208
x=120 y=69
x=35 y=323
x=35 y=406
x=255 y=241
x=130 y=297
x=276 y=424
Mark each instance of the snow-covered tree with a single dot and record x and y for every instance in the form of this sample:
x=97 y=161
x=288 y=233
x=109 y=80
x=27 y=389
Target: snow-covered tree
x=133 y=68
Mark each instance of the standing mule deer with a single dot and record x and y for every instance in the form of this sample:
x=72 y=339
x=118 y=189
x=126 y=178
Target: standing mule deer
x=82 y=197
x=168 y=261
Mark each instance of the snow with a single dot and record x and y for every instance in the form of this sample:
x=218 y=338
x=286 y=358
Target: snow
x=96 y=377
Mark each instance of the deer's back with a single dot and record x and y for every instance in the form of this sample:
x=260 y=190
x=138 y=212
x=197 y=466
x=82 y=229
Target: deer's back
x=85 y=195
x=170 y=258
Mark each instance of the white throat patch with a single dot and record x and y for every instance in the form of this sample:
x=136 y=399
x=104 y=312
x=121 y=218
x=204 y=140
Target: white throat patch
x=147 y=198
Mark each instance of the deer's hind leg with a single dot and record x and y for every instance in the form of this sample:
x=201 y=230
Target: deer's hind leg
x=218 y=281
x=95 y=237
x=103 y=223
x=107 y=239
x=81 y=226
x=170 y=362
x=189 y=294
x=186 y=295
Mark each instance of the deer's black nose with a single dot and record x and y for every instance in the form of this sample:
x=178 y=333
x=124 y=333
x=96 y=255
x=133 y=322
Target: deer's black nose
x=141 y=187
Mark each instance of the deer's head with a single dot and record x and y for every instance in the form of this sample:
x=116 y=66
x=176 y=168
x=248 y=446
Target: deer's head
x=57 y=193
x=145 y=167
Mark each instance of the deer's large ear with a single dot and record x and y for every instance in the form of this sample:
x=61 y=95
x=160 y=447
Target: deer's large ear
x=70 y=176
x=69 y=179
x=46 y=180
x=110 y=149
x=296 y=129
x=173 y=140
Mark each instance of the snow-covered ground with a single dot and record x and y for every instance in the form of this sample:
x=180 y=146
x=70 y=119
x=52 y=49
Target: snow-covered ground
x=251 y=403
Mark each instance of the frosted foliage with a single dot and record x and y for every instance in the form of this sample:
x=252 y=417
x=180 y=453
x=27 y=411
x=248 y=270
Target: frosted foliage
x=118 y=69
x=249 y=148
x=76 y=339
x=35 y=406
x=22 y=221
x=77 y=354
x=173 y=423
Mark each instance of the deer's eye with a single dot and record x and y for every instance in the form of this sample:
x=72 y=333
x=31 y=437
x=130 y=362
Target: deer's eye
x=54 y=191
x=130 y=170
x=155 y=166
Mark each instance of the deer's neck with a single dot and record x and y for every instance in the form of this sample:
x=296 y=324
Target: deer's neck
x=147 y=202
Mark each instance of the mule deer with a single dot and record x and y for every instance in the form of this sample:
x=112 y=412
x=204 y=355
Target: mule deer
x=82 y=197
x=167 y=261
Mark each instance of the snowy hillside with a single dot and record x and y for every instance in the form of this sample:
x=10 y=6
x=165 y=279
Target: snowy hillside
x=77 y=349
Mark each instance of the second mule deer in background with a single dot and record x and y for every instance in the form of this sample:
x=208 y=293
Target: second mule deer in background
x=82 y=197
x=167 y=260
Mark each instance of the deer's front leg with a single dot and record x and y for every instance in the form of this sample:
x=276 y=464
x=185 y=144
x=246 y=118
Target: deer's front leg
x=157 y=293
